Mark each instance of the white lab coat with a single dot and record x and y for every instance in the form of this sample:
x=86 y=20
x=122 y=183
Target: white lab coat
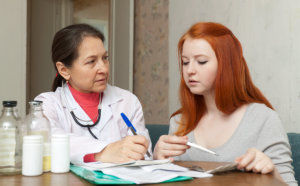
x=111 y=127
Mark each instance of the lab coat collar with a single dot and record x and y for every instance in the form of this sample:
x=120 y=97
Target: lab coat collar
x=110 y=96
x=71 y=104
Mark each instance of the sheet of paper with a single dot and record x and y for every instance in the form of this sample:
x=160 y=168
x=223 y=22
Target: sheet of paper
x=166 y=166
x=179 y=170
x=148 y=162
x=194 y=174
x=100 y=166
x=223 y=168
x=138 y=175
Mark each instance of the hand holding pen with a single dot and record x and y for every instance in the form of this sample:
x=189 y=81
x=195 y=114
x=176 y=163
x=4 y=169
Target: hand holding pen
x=169 y=146
x=132 y=129
x=129 y=148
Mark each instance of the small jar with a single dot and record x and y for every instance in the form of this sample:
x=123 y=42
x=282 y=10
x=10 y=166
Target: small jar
x=60 y=153
x=32 y=161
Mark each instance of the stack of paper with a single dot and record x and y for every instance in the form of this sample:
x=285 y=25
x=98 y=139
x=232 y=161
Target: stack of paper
x=138 y=175
x=145 y=171
x=100 y=166
x=153 y=173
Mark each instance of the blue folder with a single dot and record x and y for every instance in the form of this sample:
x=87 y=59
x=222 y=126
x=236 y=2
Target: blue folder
x=97 y=177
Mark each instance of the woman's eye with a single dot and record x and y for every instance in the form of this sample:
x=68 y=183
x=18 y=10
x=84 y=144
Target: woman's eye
x=91 y=61
x=202 y=62
x=105 y=58
x=185 y=62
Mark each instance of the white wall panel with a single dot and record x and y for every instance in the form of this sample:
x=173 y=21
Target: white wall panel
x=13 y=33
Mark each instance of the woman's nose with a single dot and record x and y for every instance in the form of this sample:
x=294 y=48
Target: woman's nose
x=191 y=68
x=101 y=66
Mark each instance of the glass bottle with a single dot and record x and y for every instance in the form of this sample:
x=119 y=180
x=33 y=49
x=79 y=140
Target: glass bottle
x=16 y=113
x=21 y=125
x=38 y=124
x=10 y=142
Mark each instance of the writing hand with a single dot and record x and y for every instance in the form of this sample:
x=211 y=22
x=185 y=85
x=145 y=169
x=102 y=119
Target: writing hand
x=130 y=148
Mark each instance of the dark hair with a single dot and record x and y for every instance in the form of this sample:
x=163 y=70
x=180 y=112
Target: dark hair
x=65 y=46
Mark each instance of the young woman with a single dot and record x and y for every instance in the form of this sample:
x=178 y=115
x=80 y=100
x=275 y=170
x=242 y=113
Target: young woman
x=84 y=105
x=222 y=110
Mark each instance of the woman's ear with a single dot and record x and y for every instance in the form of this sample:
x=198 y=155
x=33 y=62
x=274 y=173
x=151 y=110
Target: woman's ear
x=63 y=70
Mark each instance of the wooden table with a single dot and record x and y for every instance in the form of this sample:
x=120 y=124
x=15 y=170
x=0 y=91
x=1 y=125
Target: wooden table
x=231 y=178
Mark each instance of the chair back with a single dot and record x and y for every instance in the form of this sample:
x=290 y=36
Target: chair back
x=294 y=140
x=155 y=131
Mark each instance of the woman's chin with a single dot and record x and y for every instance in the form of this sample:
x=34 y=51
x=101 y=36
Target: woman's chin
x=100 y=89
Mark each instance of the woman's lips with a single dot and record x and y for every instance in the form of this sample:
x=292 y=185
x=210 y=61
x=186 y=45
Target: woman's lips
x=101 y=80
x=192 y=82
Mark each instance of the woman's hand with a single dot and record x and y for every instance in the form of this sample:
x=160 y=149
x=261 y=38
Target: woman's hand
x=256 y=161
x=169 y=146
x=130 y=148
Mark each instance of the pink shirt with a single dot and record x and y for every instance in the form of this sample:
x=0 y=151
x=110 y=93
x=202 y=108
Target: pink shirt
x=89 y=103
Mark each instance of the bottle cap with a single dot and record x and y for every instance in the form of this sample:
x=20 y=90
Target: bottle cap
x=35 y=103
x=9 y=103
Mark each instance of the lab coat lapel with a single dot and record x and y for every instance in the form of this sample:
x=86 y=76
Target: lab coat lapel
x=75 y=107
x=109 y=97
x=106 y=115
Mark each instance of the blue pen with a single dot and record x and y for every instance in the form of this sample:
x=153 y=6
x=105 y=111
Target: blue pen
x=131 y=127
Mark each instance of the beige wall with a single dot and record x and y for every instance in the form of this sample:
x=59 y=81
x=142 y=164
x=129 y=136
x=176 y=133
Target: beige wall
x=91 y=9
x=151 y=78
x=13 y=15
x=42 y=28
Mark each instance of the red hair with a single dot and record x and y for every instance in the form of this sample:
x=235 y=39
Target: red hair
x=233 y=84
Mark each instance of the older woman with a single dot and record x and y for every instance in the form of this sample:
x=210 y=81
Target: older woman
x=85 y=106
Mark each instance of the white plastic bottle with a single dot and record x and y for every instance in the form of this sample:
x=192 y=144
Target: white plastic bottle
x=32 y=160
x=60 y=153
x=38 y=124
